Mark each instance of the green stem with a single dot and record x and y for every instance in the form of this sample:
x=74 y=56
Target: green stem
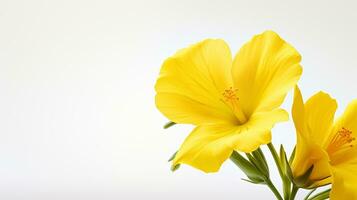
x=293 y=192
x=273 y=189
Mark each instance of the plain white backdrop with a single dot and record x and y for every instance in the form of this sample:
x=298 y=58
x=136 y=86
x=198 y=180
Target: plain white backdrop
x=77 y=113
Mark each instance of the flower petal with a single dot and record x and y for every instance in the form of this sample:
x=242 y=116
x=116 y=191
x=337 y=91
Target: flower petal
x=319 y=114
x=344 y=182
x=258 y=130
x=208 y=146
x=263 y=71
x=348 y=120
x=303 y=147
x=298 y=111
x=190 y=85
x=345 y=157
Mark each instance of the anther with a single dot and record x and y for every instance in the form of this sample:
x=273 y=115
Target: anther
x=232 y=101
x=341 y=140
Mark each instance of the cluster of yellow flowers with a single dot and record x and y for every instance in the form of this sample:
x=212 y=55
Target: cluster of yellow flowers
x=234 y=104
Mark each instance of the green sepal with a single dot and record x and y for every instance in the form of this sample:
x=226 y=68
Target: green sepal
x=303 y=180
x=287 y=174
x=259 y=155
x=169 y=124
x=175 y=167
x=254 y=162
x=258 y=163
x=292 y=156
x=251 y=171
x=172 y=157
x=282 y=156
x=286 y=165
x=322 y=195
x=254 y=182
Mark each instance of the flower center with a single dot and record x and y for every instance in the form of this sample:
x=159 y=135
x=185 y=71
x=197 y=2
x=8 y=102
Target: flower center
x=230 y=98
x=342 y=140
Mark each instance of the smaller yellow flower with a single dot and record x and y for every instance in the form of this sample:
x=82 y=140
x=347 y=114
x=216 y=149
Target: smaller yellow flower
x=328 y=146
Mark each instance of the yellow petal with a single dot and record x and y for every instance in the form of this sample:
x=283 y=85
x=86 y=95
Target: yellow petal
x=349 y=117
x=298 y=111
x=319 y=114
x=344 y=182
x=190 y=85
x=348 y=156
x=348 y=120
x=264 y=70
x=208 y=146
x=304 y=149
x=258 y=130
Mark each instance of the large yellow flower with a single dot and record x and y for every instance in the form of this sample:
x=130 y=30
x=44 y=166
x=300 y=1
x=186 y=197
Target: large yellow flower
x=326 y=145
x=233 y=104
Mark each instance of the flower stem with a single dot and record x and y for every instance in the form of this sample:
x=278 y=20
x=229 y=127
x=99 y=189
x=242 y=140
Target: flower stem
x=293 y=192
x=273 y=189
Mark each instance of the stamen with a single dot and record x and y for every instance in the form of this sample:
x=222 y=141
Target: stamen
x=342 y=140
x=232 y=101
x=230 y=94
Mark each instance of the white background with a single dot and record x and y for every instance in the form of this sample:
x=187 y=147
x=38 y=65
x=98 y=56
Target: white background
x=77 y=113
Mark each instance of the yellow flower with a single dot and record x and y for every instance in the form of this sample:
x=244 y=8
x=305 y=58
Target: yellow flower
x=232 y=103
x=326 y=145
